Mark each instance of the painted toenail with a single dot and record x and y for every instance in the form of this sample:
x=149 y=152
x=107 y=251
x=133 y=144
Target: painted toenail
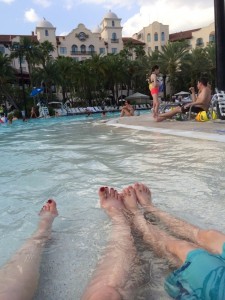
x=102 y=189
x=49 y=201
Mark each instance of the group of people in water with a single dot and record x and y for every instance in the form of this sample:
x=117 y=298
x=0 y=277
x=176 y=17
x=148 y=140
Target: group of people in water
x=197 y=254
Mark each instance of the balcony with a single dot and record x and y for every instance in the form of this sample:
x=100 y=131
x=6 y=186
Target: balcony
x=82 y=52
x=115 y=41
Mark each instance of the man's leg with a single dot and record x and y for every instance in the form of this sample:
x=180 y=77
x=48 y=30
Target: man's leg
x=19 y=277
x=111 y=275
x=210 y=240
x=163 y=244
x=169 y=114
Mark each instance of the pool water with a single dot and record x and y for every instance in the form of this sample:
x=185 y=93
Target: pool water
x=68 y=159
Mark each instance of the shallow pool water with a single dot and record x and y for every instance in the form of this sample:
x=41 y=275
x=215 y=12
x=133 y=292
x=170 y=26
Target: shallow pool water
x=69 y=159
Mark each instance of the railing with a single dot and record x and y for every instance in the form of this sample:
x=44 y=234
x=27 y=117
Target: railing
x=82 y=52
x=114 y=40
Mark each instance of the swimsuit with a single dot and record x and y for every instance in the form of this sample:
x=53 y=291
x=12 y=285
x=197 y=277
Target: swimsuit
x=194 y=109
x=153 y=89
x=202 y=277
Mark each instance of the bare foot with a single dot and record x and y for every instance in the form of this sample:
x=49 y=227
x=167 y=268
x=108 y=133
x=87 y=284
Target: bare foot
x=111 y=201
x=50 y=206
x=143 y=193
x=47 y=215
x=130 y=199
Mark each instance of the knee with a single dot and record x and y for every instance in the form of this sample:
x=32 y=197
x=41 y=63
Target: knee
x=205 y=235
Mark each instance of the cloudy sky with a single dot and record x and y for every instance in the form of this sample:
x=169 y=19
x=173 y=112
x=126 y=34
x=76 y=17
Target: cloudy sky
x=21 y=16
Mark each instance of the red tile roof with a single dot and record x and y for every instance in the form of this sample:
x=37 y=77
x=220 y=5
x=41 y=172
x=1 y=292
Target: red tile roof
x=127 y=40
x=6 y=38
x=182 y=35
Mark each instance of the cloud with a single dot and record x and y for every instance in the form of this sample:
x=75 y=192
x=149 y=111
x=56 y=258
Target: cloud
x=68 y=4
x=31 y=16
x=7 y=1
x=43 y=3
x=178 y=14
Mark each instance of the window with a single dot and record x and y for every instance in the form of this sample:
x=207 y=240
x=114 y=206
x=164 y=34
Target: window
x=83 y=49
x=76 y=58
x=212 y=37
x=163 y=36
x=156 y=48
x=199 y=42
x=114 y=50
x=113 y=23
x=63 y=50
x=113 y=36
x=149 y=37
x=102 y=50
x=46 y=32
x=2 y=49
x=156 y=37
x=74 y=49
x=91 y=49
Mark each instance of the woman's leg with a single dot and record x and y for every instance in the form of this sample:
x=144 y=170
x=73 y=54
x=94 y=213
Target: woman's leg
x=111 y=275
x=19 y=277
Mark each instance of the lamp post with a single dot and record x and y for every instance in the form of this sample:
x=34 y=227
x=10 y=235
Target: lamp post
x=219 y=10
x=20 y=51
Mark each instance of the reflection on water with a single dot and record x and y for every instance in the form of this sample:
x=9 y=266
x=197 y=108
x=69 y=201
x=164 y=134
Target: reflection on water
x=68 y=160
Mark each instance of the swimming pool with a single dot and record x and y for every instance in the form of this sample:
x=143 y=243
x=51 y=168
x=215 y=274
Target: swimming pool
x=68 y=159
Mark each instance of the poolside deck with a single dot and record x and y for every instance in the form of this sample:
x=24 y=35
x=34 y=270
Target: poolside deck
x=211 y=130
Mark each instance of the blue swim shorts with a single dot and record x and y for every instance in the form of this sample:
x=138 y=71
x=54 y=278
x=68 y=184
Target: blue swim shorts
x=202 y=276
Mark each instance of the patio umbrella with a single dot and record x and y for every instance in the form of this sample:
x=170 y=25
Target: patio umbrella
x=36 y=91
x=137 y=96
x=182 y=93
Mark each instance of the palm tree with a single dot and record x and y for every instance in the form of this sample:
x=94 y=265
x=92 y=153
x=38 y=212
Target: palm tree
x=7 y=75
x=170 y=60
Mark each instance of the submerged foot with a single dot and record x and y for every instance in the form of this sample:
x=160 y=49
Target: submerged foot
x=47 y=215
x=111 y=201
x=143 y=193
x=130 y=199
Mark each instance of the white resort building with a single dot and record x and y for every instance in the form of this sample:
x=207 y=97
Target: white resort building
x=107 y=38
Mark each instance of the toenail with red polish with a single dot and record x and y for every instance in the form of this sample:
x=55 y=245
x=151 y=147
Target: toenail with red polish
x=102 y=189
x=49 y=201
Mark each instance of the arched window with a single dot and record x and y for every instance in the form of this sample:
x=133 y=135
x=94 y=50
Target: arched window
x=149 y=37
x=199 y=42
x=46 y=32
x=74 y=49
x=156 y=37
x=162 y=36
x=212 y=37
x=114 y=36
x=83 y=49
x=113 y=23
x=91 y=49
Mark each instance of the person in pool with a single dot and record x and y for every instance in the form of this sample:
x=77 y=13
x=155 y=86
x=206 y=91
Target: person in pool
x=198 y=254
x=19 y=277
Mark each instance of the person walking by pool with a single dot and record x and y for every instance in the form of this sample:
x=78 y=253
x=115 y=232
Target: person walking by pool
x=198 y=104
x=154 y=89
x=127 y=110
x=33 y=113
x=19 y=277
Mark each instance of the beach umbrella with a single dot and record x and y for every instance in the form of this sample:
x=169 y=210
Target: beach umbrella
x=137 y=96
x=36 y=91
x=182 y=93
